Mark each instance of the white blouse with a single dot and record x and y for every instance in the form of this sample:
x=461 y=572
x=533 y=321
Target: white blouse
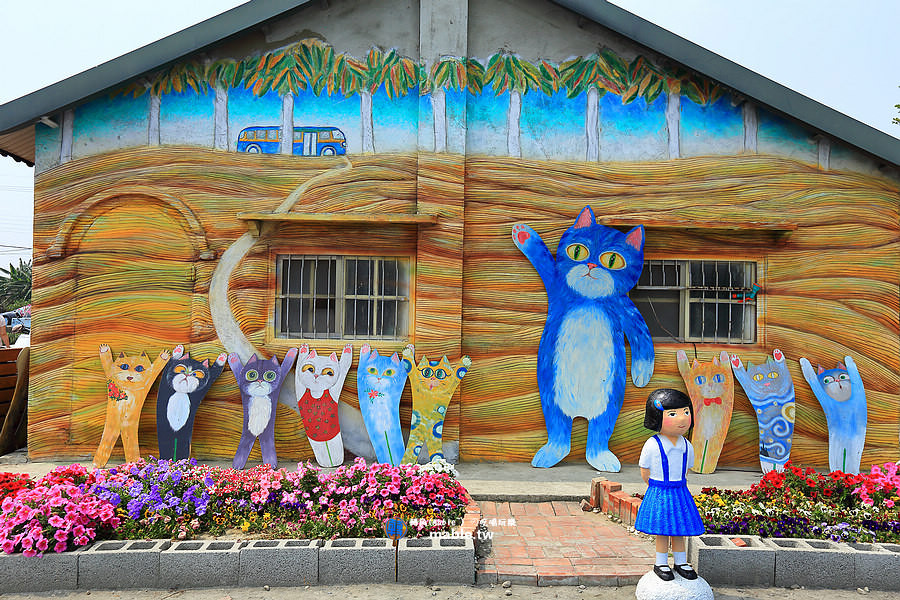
x=650 y=458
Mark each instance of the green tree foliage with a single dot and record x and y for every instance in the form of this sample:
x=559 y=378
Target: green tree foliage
x=15 y=285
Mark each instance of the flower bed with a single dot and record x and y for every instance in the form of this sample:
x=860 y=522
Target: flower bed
x=71 y=506
x=803 y=503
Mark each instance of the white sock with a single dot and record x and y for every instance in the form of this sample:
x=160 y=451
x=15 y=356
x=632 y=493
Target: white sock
x=680 y=557
x=662 y=558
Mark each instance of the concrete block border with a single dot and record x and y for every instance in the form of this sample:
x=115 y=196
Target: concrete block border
x=783 y=562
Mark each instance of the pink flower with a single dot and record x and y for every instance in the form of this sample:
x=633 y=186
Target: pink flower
x=60 y=547
x=42 y=544
x=61 y=535
x=8 y=546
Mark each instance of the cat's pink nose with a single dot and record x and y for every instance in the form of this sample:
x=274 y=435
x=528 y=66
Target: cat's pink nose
x=592 y=265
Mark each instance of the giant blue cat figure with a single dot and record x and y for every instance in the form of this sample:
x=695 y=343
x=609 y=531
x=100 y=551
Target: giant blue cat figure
x=581 y=356
x=379 y=383
x=842 y=396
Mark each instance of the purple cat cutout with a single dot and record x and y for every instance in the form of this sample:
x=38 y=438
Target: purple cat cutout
x=260 y=382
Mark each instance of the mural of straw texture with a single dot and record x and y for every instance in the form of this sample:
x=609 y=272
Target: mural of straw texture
x=829 y=289
x=126 y=245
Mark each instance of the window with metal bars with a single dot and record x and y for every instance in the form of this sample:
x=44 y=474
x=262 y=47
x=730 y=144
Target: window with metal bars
x=342 y=297
x=698 y=300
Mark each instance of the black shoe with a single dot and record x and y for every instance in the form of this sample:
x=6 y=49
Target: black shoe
x=686 y=571
x=664 y=572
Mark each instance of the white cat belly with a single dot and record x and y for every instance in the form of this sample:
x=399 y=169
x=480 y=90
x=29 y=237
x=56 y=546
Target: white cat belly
x=177 y=410
x=329 y=453
x=584 y=360
x=260 y=411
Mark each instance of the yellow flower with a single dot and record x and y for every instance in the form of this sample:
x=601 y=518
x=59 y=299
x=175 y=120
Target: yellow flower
x=245 y=526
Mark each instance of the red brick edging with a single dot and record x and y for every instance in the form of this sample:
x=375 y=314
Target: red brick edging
x=609 y=498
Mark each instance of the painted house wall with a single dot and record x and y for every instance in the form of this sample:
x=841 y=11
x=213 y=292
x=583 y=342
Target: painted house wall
x=133 y=227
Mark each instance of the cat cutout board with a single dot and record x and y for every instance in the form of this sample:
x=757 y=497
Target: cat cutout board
x=127 y=382
x=182 y=386
x=842 y=396
x=711 y=388
x=318 y=383
x=770 y=389
x=433 y=383
x=379 y=383
x=260 y=383
x=581 y=356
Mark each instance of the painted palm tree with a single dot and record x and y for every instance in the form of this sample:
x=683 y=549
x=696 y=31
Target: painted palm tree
x=449 y=72
x=397 y=73
x=594 y=75
x=279 y=71
x=221 y=75
x=507 y=72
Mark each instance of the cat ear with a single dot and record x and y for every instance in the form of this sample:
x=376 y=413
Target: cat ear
x=374 y=352
x=585 y=218
x=205 y=363
x=121 y=355
x=696 y=364
x=635 y=238
x=841 y=366
x=312 y=354
x=395 y=358
x=424 y=362
x=333 y=357
x=144 y=355
x=715 y=361
x=252 y=359
x=819 y=370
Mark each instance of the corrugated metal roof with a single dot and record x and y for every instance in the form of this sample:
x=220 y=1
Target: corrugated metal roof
x=21 y=114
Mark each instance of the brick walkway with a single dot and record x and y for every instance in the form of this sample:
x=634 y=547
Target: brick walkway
x=556 y=543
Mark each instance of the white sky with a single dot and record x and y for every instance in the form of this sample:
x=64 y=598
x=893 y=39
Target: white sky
x=841 y=53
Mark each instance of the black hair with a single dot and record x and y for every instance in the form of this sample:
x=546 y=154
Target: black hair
x=664 y=399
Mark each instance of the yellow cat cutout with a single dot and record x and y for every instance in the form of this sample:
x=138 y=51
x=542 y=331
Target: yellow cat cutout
x=711 y=388
x=127 y=384
x=433 y=384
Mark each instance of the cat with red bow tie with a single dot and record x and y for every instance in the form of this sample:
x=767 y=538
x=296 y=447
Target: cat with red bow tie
x=711 y=388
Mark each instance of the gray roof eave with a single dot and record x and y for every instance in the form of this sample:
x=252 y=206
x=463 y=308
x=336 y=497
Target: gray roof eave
x=741 y=79
x=51 y=99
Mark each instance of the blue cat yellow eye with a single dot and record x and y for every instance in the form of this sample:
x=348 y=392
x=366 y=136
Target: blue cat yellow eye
x=427 y=372
x=251 y=375
x=577 y=251
x=718 y=378
x=328 y=371
x=773 y=375
x=441 y=374
x=179 y=369
x=270 y=376
x=612 y=260
x=139 y=368
x=123 y=367
x=758 y=377
x=827 y=379
x=700 y=380
x=388 y=373
x=372 y=371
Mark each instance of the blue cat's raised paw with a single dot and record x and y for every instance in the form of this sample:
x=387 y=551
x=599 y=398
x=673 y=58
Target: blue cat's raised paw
x=549 y=455
x=641 y=372
x=604 y=460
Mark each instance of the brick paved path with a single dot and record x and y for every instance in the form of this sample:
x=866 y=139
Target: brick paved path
x=556 y=543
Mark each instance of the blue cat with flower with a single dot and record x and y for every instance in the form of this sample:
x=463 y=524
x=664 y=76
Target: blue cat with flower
x=581 y=357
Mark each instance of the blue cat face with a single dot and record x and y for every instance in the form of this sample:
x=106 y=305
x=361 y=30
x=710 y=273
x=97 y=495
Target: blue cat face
x=380 y=376
x=768 y=379
x=835 y=382
x=597 y=261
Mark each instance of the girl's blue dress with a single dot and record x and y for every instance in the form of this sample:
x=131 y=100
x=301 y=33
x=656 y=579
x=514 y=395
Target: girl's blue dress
x=668 y=507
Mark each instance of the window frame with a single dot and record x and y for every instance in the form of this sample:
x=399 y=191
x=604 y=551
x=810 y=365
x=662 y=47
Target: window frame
x=685 y=288
x=276 y=335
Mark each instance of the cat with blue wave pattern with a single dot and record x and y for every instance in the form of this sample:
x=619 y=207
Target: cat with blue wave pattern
x=842 y=396
x=770 y=388
x=379 y=382
x=581 y=356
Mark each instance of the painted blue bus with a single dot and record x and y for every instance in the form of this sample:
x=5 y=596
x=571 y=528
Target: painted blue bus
x=308 y=141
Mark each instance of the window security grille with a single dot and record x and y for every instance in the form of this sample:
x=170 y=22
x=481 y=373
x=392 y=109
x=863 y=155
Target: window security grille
x=698 y=300
x=342 y=297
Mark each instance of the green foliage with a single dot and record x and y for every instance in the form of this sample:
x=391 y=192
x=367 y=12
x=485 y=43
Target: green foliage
x=15 y=285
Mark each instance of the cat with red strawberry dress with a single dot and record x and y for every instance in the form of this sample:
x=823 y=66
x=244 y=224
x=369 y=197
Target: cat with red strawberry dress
x=318 y=383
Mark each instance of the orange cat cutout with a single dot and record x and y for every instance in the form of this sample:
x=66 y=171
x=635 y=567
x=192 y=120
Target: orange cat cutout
x=711 y=388
x=127 y=382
